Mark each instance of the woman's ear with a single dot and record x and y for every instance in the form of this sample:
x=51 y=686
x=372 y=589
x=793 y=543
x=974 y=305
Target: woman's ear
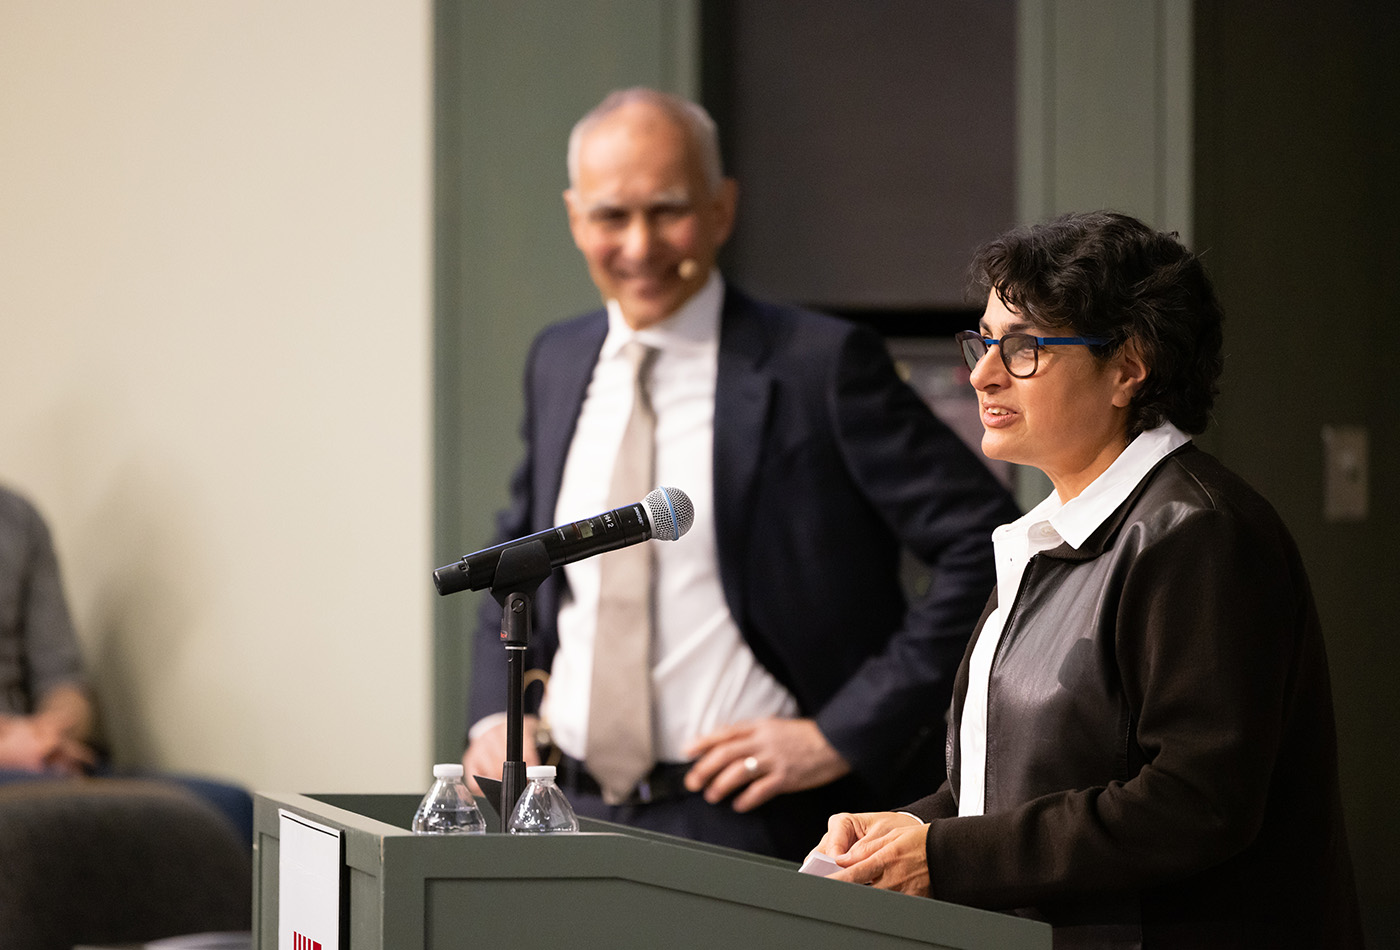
x=1132 y=372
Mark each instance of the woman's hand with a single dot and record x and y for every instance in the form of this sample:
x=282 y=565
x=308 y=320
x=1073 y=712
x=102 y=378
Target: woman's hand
x=884 y=849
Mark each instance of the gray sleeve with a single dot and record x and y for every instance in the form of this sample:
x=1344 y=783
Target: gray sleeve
x=38 y=646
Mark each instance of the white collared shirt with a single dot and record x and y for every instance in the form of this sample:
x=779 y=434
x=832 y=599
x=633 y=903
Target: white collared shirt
x=1047 y=525
x=704 y=675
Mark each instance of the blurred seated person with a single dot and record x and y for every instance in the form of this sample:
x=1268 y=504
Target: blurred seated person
x=47 y=717
x=1142 y=748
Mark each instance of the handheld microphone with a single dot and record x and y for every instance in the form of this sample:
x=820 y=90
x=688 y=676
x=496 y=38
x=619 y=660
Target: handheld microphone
x=664 y=514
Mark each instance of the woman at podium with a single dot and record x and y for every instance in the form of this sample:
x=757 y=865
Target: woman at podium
x=1141 y=747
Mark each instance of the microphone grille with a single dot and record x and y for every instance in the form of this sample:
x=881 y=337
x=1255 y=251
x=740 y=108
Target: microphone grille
x=670 y=511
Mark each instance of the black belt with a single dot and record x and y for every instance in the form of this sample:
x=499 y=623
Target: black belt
x=665 y=782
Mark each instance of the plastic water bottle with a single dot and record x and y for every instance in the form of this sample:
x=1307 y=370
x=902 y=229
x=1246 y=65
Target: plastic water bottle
x=542 y=808
x=448 y=808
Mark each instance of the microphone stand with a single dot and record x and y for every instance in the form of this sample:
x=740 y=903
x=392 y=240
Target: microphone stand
x=519 y=573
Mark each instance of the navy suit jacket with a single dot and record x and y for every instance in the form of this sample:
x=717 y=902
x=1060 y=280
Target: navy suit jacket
x=826 y=467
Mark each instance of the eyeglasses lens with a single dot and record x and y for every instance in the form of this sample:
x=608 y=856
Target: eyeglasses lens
x=973 y=349
x=1018 y=350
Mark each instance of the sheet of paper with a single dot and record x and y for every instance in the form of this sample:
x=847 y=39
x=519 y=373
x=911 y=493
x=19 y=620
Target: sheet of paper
x=819 y=864
x=310 y=858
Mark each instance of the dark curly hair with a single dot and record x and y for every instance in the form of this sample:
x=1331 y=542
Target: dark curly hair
x=1105 y=274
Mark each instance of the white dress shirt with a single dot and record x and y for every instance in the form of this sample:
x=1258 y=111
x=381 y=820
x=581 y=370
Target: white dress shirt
x=704 y=675
x=1047 y=525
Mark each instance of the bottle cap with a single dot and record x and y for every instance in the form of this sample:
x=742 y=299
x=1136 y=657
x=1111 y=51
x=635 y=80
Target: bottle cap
x=447 y=770
x=539 y=771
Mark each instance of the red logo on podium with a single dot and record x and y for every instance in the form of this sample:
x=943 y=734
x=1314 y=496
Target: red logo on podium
x=303 y=942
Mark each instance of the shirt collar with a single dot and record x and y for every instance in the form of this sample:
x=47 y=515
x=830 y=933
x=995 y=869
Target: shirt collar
x=1078 y=518
x=695 y=324
x=1081 y=515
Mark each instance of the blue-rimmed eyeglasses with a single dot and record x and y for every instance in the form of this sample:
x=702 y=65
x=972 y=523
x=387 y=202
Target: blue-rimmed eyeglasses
x=1019 y=351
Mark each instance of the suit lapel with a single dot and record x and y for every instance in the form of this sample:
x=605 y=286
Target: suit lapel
x=743 y=391
x=568 y=371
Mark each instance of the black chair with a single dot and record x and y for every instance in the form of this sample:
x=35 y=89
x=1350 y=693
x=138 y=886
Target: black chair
x=108 y=861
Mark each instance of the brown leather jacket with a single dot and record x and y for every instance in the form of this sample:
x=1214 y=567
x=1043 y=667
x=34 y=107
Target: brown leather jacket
x=1161 y=753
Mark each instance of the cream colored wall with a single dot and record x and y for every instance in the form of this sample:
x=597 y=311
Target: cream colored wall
x=215 y=370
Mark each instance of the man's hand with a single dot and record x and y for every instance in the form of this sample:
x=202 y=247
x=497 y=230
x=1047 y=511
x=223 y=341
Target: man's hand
x=885 y=849
x=487 y=752
x=38 y=743
x=73 y=757
x=25 y=743
x=764 y=758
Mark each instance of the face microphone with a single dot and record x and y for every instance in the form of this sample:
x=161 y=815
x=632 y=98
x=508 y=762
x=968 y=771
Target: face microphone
x=688 y=268
x=664 y=514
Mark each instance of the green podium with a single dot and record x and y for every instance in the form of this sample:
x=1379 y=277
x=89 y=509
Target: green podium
x=606 y=887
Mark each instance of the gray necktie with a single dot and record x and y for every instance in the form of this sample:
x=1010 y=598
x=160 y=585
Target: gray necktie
x=620 y=751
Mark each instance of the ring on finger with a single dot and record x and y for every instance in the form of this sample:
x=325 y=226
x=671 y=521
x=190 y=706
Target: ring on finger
x=751 y=765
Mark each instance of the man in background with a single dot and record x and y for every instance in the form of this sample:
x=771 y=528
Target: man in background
x=48 y=721
x=782 y=665
x=46 y=717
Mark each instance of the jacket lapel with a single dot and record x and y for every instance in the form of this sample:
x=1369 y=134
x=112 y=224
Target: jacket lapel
x=568 y=377
x=743 y=391
x=1103 y=536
